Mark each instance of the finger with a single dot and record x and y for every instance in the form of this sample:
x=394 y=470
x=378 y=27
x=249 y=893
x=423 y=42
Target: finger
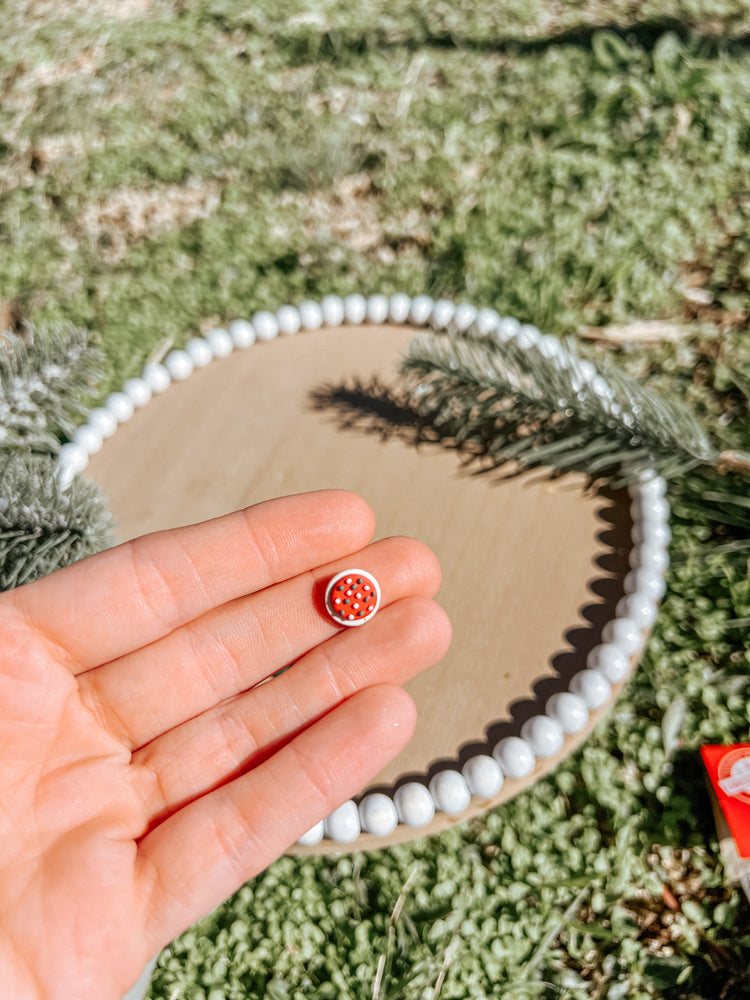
x=236 y=646
x=204 y=852
x=128 y=596
x=194 y=758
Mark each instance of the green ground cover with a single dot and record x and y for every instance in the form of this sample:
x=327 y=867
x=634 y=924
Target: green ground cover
x=168 y=166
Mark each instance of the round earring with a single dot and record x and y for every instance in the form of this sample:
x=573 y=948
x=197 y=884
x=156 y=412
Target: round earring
x=352 y=597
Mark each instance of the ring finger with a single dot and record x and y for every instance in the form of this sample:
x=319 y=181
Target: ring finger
x=240 y=733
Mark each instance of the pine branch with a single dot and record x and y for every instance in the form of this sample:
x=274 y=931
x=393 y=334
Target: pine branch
x=44 y=386
x=550 y=408
x=43 y=525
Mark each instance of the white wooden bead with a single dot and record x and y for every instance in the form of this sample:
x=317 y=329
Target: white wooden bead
x=486 y=322
x=550 y=347
x=634 y=489
x=398 y=308
x=120 y=406
x=313 y=836
x=88 y=439
x=343 y=823
x=653 y=557
x=506 y=329
x=527 y=337
x=624 y=633
x=641 y=609
x=266 y=325
x=289 y=320
x=464 y=317
x=450 y=792
x=421 y=310
x=179 y=364
x=220 y=341
x=156 y=376
x=655 y=510
x=637 y=500
x=138 y=390
x=592 y=686
x=333 y=310
x=377 y=814
x=311 y=315
x=609 y=660
x=103 y=421
x=442 y=314
x=647 y=582
x=377 y=308
x=414 y=804
x=242 y=333
x=653 y=487
x=200 y=352
x=515 y=756
x=656 y=533
x=72 y=459
x=483 y=776
x=569 y=709
x=544 y=734
x=355 y=308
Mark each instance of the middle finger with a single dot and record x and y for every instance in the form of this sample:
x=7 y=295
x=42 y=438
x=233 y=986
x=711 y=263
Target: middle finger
x=239 y=644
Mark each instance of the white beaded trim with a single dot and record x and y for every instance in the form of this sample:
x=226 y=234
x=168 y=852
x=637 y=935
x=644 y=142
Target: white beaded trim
x=450 y=791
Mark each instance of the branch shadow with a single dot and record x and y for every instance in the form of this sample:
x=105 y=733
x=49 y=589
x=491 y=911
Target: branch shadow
x=373 y=407
x=713 y=36
x=646 y=34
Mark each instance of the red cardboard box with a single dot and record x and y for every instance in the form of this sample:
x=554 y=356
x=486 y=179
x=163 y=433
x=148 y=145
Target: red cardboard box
x=728 y=770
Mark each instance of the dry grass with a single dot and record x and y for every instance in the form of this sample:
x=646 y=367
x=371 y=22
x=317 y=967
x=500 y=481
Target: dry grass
x=348 y=213
x=132 y=214
x=107 y=10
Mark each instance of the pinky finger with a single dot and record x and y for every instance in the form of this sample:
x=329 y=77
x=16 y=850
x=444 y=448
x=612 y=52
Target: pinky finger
x=203 y=853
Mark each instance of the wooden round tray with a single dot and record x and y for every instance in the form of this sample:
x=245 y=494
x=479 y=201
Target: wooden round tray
x=251 y=426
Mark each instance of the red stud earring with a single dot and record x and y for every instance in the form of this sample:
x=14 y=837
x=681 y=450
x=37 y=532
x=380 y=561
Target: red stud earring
x=352 y=597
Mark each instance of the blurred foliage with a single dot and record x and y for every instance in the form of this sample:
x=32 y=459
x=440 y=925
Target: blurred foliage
x=166 y=166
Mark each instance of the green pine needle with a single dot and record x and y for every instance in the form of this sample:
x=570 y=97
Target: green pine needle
x=513 y=403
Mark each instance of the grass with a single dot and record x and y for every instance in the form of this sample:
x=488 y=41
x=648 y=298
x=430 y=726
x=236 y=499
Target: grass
x=164 y=167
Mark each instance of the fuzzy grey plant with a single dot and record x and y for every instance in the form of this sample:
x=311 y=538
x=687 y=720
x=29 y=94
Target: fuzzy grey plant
x=43 y=524
x=46 y=378
x=45 y=382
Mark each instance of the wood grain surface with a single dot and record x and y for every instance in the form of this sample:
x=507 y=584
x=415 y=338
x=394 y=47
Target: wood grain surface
x=547 y=557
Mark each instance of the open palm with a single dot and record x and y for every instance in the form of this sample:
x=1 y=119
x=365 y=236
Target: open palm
x=145 y=770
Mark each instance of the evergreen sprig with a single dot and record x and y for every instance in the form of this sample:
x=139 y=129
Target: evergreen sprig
x=45 y=381
x=43 y=524
x=538 y=407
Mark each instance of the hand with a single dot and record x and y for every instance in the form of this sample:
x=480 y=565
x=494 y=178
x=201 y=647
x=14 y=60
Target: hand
x=145 y=772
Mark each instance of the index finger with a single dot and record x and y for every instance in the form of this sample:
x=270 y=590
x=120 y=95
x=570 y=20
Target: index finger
x=130 y=595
